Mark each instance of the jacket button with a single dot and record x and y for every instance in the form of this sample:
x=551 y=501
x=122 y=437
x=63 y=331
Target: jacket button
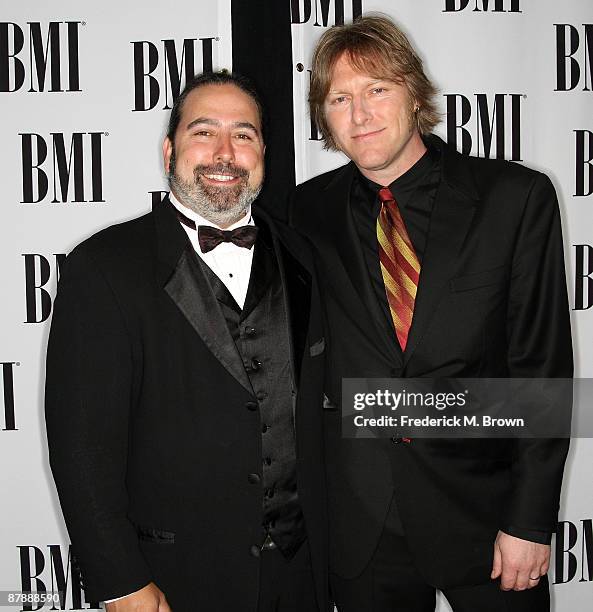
x=396 y=440
x=268 y=460
x=250 y=331
x=256 y=364
x=264 y=428
x=255 y=551
x=270 y=493
x=251 y=406
x=253 y=478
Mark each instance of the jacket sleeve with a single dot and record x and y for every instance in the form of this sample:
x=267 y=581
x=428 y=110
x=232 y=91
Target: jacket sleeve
x=88 y=394
x=539 y=346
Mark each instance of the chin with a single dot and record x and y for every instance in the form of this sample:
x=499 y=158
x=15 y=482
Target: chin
x=372 y=163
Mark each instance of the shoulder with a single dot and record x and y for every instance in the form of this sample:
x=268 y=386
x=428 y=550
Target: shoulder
x=501 y=182
x=500 y=171
x=118 y=246
x=306 y=205
x=488 y=174
x=321 y=182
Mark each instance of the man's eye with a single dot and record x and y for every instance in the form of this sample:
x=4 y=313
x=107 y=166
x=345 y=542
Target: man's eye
x=203 y=133
x=378 y=90
x=339 y=100
x=243 y=136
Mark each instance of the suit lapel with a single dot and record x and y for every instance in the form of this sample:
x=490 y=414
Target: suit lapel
x=450 y=222
x=184 y=281
x=263 y=266
x=354 y=287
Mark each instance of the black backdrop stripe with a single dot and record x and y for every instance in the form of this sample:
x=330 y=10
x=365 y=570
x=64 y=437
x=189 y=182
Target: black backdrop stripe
x=262 y=50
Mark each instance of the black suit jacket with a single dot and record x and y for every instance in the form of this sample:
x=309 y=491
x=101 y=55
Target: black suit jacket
x=491 y=302
x=152 y=424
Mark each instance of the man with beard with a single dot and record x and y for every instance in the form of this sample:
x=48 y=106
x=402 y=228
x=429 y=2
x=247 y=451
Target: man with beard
x=184 y=386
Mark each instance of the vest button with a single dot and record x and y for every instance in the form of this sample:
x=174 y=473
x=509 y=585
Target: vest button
x=253 y=478
x=250 y=331
x=251 y=406
x=255 y=551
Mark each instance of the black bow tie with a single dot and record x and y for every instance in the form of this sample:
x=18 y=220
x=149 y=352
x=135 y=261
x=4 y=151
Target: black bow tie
x=210 y=237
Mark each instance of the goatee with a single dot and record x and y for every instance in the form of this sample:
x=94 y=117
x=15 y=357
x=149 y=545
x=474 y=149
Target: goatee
x=222 y=205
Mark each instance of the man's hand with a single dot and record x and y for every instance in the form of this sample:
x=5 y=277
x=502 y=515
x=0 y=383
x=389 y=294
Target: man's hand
x=148 y=599
x=519 y=563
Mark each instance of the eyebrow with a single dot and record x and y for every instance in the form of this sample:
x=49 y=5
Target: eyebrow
x=245 y=125
x=372 y=82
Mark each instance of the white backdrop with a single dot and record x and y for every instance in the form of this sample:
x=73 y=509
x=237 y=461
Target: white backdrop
x=96 y=130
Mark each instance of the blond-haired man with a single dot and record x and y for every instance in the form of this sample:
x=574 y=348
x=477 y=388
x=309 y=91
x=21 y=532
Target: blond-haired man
x=432 y=265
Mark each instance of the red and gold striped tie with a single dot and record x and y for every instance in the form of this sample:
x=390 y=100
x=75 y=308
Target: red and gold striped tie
x=399 y=265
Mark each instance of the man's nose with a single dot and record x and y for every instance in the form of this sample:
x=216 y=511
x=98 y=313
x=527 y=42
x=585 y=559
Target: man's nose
x=224 y=151
x=360 y=111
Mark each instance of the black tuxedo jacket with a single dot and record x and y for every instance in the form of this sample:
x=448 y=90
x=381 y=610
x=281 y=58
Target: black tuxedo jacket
x=153 y=426
x=491 y=302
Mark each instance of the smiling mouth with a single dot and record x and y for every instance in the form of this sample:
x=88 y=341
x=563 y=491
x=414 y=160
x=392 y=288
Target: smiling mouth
x=367 y=134
x=221 y=178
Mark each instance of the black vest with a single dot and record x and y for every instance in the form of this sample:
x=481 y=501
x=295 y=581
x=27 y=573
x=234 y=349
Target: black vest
x=261 y=334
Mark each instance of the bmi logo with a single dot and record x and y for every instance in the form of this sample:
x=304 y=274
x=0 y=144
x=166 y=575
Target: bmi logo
x=303 y=10
x=574 y=552
x=584 y=162
x=161 y=70
x=38 y=272
x=39 y=56
x=489 y=126
x=573 y=56
x=583 y=281
x=51 y=571
x=495 y=6
x=62 y=167
x=7 y=368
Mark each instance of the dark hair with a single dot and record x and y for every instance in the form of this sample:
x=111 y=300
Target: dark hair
x=214 y=78
x=376 y=46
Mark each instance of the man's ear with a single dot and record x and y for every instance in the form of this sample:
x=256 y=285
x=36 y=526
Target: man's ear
x=167 y=151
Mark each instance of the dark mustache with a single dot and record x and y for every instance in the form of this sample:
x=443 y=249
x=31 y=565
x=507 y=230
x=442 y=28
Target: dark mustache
x=231 y=169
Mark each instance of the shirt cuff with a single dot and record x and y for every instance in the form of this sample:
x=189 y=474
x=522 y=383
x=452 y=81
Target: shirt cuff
x=118 y=598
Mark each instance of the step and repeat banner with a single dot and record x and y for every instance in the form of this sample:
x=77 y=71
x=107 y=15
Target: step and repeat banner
x=86 y=89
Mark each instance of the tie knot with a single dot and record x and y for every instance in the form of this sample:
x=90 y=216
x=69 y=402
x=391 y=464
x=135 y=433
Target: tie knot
x=385 y=195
